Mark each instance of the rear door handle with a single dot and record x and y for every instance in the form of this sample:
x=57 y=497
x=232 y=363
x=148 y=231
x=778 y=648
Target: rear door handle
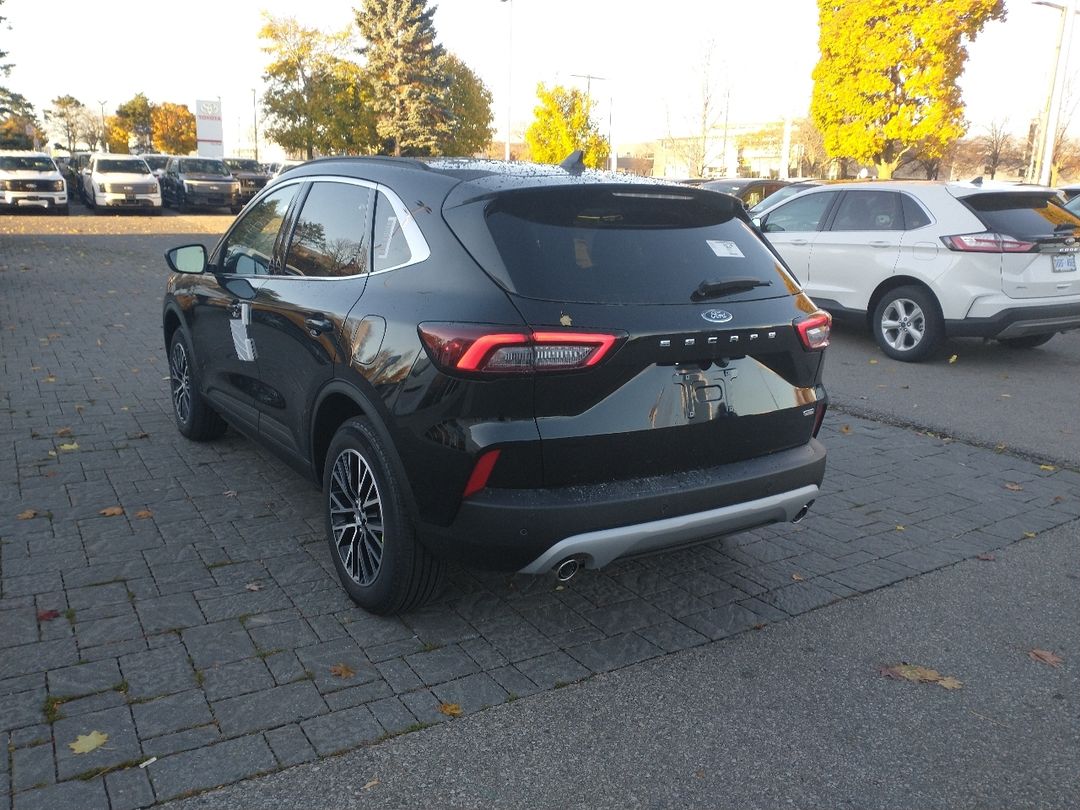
x=800 y=242
x=317 y=324
x=879 y=243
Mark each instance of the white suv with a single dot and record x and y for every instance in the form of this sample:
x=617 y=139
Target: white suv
x=120 y=181
x=922 y=260
x=31 y=180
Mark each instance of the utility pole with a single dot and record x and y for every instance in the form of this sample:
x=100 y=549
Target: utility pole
x=509 y=72
x=255 y=123
x=588 y=77
x=104 y=133
x=1067 y=9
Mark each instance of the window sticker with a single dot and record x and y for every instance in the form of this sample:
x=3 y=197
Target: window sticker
x=391 y=230
x=725 y=249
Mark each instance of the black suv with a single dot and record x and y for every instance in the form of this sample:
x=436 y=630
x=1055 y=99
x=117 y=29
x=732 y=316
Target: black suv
x=199 y=182
x=519 y=367
x=251 y=175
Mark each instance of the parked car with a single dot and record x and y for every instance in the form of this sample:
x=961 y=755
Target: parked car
x=285 y=165
x=479 y=362
x=157 y=164
x=920 y=261
x=79 y=162
x=121 y=182
x=199 y=182
x=751 y=190
x=31 y=180
x=251 y=175
x=782 y=193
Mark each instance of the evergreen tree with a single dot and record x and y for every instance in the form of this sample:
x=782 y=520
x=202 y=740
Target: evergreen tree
x=407 y=85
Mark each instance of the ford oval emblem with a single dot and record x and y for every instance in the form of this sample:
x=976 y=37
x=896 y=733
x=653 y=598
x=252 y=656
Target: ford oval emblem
x=716 y=315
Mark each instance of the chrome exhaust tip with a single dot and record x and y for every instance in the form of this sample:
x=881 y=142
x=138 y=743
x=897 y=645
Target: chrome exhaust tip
x=567 y=569
x=802 y=513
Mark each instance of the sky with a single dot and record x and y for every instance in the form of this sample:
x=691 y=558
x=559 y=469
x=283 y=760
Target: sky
x=648 y=57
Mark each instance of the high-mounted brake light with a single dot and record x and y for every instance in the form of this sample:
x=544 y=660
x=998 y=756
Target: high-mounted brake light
x=987 y=243
x=814 y=330
x=491 y=350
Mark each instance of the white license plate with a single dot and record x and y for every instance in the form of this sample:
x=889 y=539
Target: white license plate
x=1064 y=264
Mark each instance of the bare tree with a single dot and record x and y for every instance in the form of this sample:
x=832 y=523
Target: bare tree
x=698 y=150
x=997 y=146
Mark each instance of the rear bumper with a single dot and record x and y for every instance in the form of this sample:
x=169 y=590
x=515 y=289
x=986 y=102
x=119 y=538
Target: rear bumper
x=1019 y=322
x=532 y=529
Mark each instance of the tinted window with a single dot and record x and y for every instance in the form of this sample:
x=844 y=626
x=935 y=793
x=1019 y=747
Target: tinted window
x=243 y=165
x=914 y=216
x=26 y=164
x=332 y=233
x=114 y=166
x=249 y=249
x=780 y=195
x=391 y=247
x=624 y=245
x=1021 y=215
x=156 y=162
x=869 y=211
x=204 y=166
x=801 y=214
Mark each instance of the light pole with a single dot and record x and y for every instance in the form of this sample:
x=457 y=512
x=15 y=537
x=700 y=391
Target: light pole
x=104 y=133
x=509 y=71
x=1057 y=85
x=255 y=123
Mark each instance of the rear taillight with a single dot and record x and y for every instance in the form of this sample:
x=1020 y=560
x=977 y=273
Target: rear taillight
x=987 y=243
x=492 y=350
x=814 y=330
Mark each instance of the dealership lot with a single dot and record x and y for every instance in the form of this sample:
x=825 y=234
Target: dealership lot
x=200 y=622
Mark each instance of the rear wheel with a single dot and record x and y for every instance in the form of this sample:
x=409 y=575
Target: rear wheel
x=907 y=324
x=1026 y=342
x=194 y=416
x=380 y=562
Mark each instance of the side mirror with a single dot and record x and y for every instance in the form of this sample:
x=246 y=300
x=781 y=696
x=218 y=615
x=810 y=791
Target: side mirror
x=757 y=222
x=187 y=259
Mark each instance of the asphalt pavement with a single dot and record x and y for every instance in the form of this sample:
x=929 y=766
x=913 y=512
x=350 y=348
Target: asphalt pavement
x=796 y=715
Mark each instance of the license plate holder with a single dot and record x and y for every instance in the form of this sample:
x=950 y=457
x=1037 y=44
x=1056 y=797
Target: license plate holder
x=1065 y=264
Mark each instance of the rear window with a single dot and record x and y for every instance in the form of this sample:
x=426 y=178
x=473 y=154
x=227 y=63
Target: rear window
x=625 y=245
x=1022 y=216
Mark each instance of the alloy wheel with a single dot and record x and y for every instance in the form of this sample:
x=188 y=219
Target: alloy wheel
x=356 y=517
x=180 y=380
x=903 y=324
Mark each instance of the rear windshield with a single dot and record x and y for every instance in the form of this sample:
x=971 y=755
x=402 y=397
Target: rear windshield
x=624 y=245
x=1023 y=216
x=243 y=165
x=156 y=162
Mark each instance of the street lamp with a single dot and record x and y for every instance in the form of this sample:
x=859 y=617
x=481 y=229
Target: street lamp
x=509 y=72
x=1057 y=84
x=255 y=123
x=104 y=133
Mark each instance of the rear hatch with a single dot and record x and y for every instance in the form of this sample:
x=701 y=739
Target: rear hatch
x=1041 y=261
x=705 y=366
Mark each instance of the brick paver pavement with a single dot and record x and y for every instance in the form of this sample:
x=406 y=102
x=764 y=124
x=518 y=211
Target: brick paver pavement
x=200 y=625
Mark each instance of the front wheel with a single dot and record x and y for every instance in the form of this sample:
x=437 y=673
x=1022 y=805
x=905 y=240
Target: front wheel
x=379 y=560
x=1026 y=342
x=195 y=419
x=907 y=324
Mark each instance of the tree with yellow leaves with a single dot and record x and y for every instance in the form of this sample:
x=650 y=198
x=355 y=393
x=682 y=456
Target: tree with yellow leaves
x=885 y=86
x=173 y=128
x=563 y=123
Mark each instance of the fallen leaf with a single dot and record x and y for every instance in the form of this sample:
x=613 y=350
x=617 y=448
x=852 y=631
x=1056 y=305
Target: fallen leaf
x=986 y=557
x=64 y=432
x=900 y=528
x=229 y=493
x=48 y=615
x=143 y=435
x=699 y=774
x=918 y=674
x=450 y=709
x=566 y=320
x=1030 y=535
x=1059 y=499
x=845 y=429
x=1014 y=487
x=85 y=743
x=112 y=511
x=27 y=515
x=797 y=578
x=952 y=359
x=1000 y=448
x=873 y=362
x=1047 y=467
x=50 y=379
x=342 y=671
x=1045 y=657
x=371 y=784
x=254 y=586
x=143 y=514
x=69 y=447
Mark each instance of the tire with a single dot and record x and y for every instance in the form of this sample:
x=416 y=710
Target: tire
x=236 y=209
x=907 y=324
x=181 y=203
x=63 y=211
x=195 y=419
x=1026 y=342
x=385 y=570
